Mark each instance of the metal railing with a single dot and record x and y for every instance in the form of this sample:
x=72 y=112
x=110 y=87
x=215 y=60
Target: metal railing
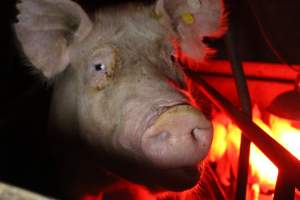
x=288 y=165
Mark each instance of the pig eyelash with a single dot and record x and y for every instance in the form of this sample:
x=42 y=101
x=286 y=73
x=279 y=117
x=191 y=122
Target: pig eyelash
x=99 y=67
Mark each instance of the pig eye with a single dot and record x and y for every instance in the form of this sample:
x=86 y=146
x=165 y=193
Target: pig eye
x=99 y=67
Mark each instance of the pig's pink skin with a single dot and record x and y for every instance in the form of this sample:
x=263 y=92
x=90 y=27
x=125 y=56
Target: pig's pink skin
x=111 y=98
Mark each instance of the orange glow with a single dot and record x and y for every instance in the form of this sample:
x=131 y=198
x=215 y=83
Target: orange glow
x=227 y=140
x=291 y=137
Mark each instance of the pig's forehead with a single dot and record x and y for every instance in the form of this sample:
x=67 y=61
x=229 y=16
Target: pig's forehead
x=130 y=24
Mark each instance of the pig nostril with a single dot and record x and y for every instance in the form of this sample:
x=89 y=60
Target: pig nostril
x=163 y=136
x=197 y=134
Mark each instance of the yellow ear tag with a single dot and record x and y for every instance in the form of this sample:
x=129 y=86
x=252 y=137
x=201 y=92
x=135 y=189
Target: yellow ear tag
x=187 y=18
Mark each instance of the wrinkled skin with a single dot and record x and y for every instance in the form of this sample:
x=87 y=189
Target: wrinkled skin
x=113 y=104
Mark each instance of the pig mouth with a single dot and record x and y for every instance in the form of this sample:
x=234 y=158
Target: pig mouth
x=151 y=118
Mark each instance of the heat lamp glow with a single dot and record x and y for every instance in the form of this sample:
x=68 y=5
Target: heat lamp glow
x=227 y=141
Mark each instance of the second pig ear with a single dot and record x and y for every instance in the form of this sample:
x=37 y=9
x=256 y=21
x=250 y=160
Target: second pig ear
x=46 y=29
x=189 y=21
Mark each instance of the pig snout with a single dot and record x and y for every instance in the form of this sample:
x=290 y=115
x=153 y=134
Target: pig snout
x=179 y=138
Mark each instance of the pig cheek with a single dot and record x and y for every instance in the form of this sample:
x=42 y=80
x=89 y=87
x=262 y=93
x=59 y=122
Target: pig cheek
x=95 y=123
x=127 y=141
x=129 y=138
x=99 y=83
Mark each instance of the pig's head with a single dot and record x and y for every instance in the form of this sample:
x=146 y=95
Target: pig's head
x=112 y=79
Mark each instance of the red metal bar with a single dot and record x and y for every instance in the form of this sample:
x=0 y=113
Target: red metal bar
x=283 y=189
x=253 y=70
x=214 y=184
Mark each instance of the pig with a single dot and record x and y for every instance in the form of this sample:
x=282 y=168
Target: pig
x=121 y=110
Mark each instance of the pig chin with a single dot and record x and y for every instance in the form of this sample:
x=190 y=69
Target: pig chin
x=178 y=179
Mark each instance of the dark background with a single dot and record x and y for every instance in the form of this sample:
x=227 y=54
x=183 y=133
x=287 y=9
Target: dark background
x=24 y=99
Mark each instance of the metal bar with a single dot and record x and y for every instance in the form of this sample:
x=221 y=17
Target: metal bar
x=253 y=70
x=214 y=183
x=281 y=157
x=243 y=166
x=243 y=93
x=238 y=73
x=249 y=78
x=283 y=189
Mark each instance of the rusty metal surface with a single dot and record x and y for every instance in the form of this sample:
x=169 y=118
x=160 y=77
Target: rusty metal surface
x=8 y=192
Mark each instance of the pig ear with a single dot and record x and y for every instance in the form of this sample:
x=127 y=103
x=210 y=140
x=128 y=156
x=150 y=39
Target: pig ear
x=190 y=21
x=46 y=29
